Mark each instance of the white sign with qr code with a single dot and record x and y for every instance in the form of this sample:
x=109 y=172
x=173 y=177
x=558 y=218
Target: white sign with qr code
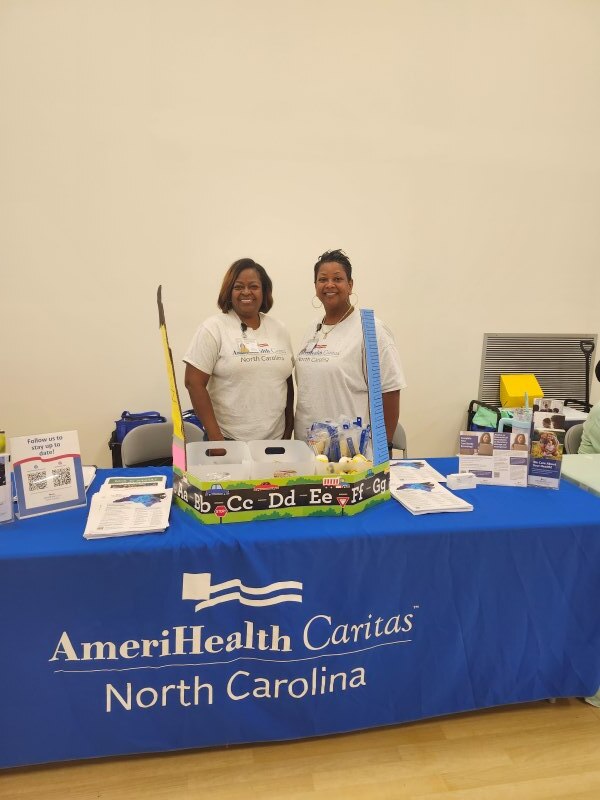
x=48 y=473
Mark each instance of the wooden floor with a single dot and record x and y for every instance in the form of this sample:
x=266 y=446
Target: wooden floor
x=535 y=751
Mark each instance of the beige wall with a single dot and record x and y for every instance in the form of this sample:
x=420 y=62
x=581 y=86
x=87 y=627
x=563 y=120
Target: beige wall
x=451 y=148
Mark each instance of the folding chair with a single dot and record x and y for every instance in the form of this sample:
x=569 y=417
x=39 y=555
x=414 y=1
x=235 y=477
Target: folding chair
x=573 y=438
x=399 y=440
x=152 y=445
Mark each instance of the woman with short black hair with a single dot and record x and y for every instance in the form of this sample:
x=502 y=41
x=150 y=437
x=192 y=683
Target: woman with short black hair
x=239 y=363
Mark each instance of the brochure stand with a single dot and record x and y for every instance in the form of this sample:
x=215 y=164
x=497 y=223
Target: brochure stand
x=48 y=473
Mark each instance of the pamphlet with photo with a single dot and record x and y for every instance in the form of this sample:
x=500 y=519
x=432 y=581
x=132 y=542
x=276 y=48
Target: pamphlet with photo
x=547 y=448
x=495 y=457
x=549 y=414
x=548 y=405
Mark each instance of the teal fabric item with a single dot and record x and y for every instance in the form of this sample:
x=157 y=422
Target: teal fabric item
x=590 y=440
x=488 y=418
x=485 y=417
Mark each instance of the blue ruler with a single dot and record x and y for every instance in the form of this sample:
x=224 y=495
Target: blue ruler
x=380 y=448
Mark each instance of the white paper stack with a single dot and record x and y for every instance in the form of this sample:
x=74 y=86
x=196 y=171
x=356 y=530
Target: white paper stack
x=410 y=470
x=89 y=473
x=127 y=506
x=427 y=497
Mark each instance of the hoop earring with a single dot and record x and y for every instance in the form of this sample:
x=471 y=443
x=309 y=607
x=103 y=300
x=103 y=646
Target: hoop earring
x=355 y=303
x=319 y=303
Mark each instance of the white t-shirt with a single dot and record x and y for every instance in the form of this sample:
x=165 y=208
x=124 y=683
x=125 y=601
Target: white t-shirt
x=248 y=383
x=331 y=375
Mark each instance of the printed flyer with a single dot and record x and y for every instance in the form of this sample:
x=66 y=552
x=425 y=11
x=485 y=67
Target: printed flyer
x=547 y=447
x=547 y=442
x=549 y=414
x=414 y=471
x=495 y=457
x=48 y=473
x=428 y=497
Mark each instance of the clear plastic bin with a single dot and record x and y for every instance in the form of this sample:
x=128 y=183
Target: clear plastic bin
x=280 y=459
x=232 y=465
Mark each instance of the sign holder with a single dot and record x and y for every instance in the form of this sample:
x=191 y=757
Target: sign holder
x=47 y=472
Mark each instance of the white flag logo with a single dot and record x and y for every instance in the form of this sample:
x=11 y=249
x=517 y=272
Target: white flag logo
x=197 y=586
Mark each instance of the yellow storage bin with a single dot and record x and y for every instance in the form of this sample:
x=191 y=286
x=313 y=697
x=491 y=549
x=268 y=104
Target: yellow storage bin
x=513 y=388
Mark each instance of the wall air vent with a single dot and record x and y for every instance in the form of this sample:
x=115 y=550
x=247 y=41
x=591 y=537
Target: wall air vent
x=562 y=362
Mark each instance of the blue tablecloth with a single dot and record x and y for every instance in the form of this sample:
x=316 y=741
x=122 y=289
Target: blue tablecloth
x=292 y=628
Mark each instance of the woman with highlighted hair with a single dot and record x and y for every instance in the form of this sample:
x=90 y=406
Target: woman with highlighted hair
x=239 y=363
x=331 y=364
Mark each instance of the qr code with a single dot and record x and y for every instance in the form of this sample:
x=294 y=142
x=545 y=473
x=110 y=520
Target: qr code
x=37 y=480
x=61 y=476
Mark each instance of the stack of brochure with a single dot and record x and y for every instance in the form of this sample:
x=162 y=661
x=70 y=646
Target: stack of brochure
x=414 y=471
x=126 y=506
x=416 y=485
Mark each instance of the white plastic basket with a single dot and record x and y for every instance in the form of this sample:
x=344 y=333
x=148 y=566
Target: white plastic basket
x=232 y=465
x=280 y=459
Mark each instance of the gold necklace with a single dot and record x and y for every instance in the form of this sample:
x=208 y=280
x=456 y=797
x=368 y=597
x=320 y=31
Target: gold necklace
x=326 y=333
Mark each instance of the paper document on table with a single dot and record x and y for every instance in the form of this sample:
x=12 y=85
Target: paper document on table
x=547 y=448
x=411 y=470
x=128 y=514
x=122 y=486
x=427 y=498
x=89 y=473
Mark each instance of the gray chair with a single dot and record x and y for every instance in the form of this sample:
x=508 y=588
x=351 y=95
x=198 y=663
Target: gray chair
x=399 y=440
x=152 y=444
x=573 y=438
